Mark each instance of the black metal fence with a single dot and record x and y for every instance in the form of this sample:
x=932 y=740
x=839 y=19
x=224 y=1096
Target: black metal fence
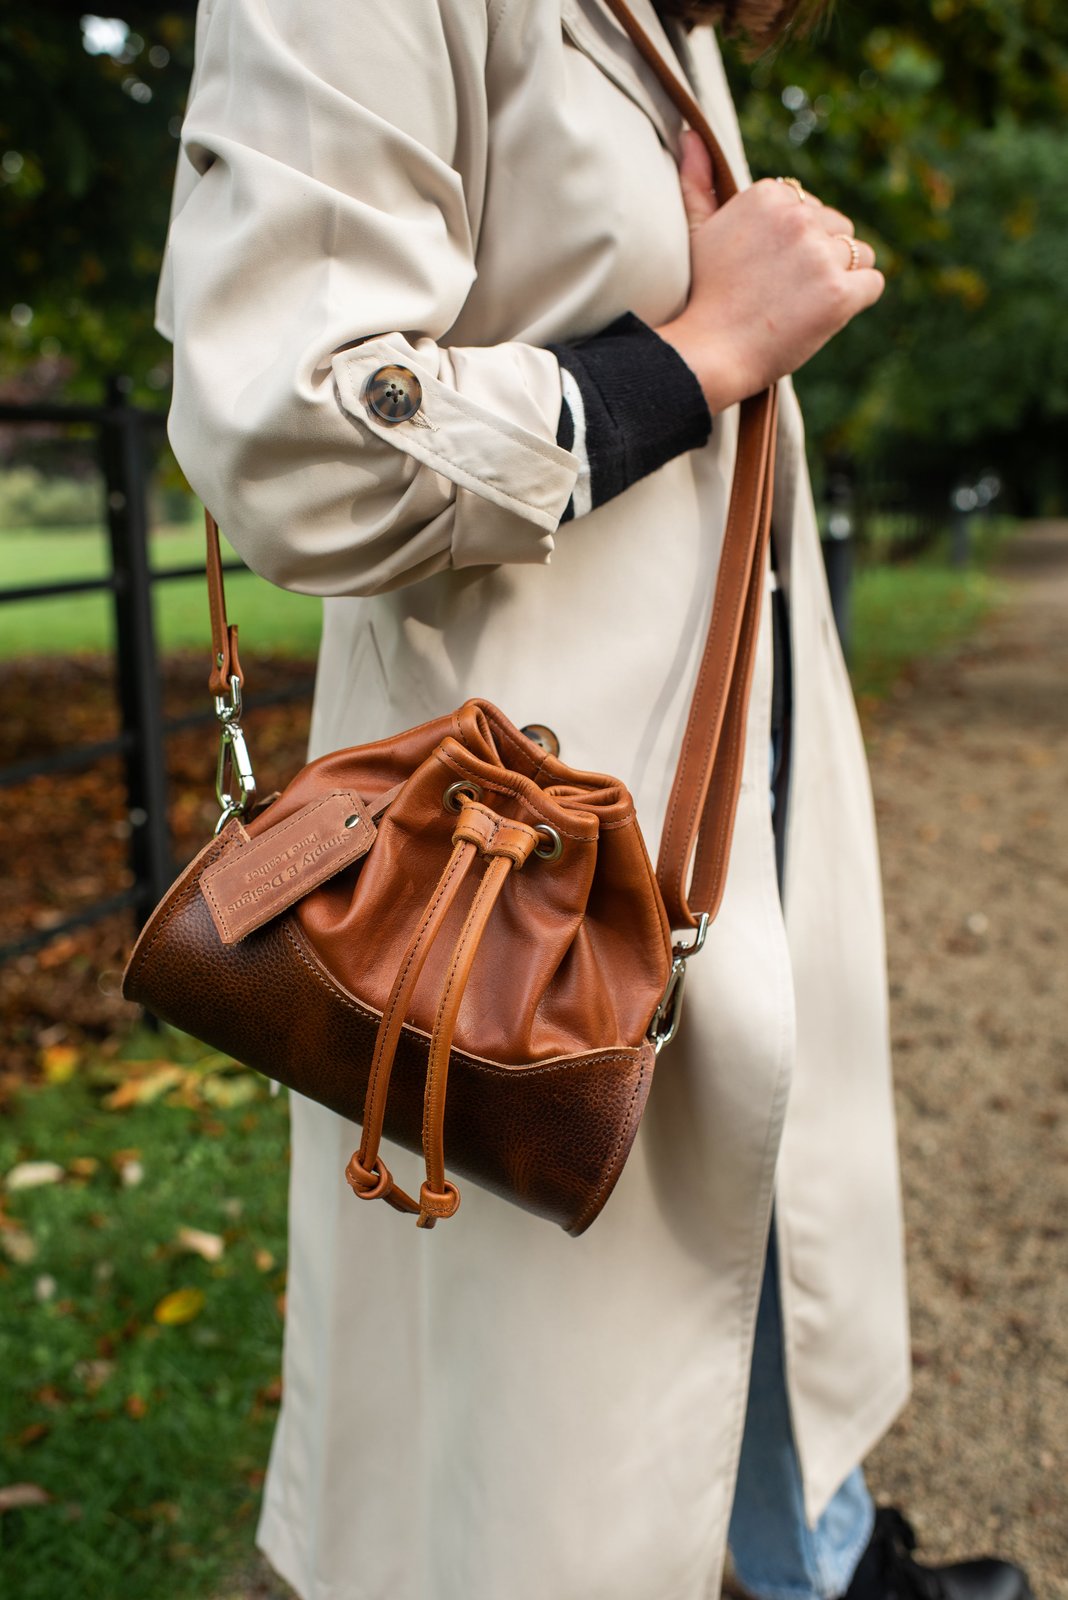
x=127 y=438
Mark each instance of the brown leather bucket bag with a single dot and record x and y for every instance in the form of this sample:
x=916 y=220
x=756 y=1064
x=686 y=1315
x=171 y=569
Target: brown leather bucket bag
x=450 y=936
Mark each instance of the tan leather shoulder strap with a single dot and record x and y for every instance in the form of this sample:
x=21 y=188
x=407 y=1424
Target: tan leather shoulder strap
x=704 y=796
x=224 y=660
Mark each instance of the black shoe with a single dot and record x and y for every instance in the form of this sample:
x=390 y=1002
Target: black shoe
x=888 y=1572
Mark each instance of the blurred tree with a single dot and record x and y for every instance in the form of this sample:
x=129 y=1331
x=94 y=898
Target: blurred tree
x=90 y=110
x=937 y=124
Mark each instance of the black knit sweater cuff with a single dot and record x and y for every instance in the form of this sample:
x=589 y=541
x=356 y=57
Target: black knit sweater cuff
x=640 y=406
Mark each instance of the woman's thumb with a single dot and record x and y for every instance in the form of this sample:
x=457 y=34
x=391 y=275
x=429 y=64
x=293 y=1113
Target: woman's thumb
x=695 y=179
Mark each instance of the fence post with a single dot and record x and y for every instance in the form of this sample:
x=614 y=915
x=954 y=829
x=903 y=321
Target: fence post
x=125 y=467
x=838 y=554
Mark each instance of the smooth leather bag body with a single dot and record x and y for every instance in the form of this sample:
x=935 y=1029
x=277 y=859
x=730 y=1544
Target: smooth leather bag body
x=451 y=936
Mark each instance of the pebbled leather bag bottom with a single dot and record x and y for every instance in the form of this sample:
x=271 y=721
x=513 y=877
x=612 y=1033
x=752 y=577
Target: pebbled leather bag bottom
x=551 y=1137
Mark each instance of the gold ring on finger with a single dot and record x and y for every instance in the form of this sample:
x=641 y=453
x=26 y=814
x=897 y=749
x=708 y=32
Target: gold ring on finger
x=854 y=250
x=795 y=185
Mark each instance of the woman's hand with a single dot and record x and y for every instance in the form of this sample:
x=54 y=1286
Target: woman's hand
x=770 y=286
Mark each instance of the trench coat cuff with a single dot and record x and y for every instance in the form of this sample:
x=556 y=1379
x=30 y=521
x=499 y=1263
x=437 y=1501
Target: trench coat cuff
x=512 y=483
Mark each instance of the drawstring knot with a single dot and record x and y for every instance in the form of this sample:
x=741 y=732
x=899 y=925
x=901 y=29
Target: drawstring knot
x=505 y=846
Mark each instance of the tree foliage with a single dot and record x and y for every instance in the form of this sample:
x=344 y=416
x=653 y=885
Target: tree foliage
x=937 y=124
x=87 y=151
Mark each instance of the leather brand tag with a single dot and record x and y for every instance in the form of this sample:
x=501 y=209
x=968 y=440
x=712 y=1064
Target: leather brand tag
x=256 y=879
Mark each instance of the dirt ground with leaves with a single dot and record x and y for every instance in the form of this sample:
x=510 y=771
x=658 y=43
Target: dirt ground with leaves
x=67 y=838
x=970 y=768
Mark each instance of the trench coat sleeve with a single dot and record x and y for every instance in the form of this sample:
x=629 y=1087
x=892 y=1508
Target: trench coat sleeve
x=324 y=224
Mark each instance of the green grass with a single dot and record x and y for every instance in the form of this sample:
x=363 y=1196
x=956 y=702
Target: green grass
x=907 y=613
x=271 y=619
x=900 y=612
x=150 y=1439
x=910 y=610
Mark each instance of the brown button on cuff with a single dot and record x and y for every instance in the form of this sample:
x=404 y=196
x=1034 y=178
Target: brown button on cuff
x=394 y=394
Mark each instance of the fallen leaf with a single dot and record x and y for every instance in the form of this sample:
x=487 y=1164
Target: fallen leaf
x=44 y=1288
x=264 y=1260
x=181 y=1305
x=14 y=1496
x=270 y=1395
x=33 y=1174
x=165 y=1511
x=142 y=1088
x=230 y=1090
x=131 y=1173
x=83 y=1166
x=54 y=955
x=59 y=1062
x=33 y=1434
x=135 y=1406
x=18 y=1246
x=94 y=1374
x=210 y=1246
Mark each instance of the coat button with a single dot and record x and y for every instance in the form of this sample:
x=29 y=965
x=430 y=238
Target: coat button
x=394 y=394
x=543 y=736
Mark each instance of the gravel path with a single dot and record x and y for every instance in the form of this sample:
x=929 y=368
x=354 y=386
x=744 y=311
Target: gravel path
x=970 y=767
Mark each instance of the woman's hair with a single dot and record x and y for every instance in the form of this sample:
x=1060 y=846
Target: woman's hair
x=762 y=22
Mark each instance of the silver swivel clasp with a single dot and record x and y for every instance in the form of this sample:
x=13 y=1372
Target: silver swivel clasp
x=235 y=764
x=668 y=1014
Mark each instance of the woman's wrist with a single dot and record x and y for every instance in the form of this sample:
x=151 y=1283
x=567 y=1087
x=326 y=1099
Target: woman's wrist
x=713 y=369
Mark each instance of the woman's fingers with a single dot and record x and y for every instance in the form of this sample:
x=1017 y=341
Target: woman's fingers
x=836 y=221
x=841 y=229
x=855 y=253
x=695 y=179
x=865 y=287
x=832 y=221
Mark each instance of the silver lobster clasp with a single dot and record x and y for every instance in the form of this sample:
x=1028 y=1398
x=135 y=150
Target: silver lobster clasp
x=668 y=1014
x=235 y=762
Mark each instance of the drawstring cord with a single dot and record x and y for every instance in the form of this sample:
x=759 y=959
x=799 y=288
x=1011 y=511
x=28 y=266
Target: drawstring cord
x=505 y=845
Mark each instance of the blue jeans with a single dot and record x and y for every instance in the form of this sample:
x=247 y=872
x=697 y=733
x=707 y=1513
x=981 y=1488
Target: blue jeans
x=776 y=1555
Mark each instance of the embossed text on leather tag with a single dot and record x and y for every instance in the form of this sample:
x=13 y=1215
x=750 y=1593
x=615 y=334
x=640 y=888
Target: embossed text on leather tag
x=254 y=881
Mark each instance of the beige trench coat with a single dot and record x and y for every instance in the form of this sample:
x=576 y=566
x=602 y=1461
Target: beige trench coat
x=496 y=1411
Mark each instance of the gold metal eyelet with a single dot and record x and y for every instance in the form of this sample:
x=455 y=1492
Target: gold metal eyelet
x=451 y=798
x=553 y=848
